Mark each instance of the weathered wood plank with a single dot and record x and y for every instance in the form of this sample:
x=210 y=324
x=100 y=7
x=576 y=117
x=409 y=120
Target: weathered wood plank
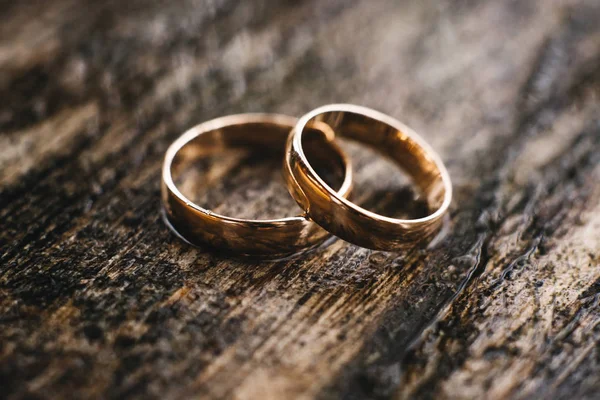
x=98 y=299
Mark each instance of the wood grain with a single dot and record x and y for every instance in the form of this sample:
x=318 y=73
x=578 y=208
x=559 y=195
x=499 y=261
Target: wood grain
x=99 y=300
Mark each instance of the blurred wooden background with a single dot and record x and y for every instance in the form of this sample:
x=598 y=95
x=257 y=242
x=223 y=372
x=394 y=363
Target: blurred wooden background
x=99 y=300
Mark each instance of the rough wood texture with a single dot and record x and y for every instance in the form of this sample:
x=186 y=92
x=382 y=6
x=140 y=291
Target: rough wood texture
x=99 y=300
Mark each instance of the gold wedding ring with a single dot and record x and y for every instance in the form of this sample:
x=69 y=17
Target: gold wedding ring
x=310 y=147
x=342 y=217
x=266 y=133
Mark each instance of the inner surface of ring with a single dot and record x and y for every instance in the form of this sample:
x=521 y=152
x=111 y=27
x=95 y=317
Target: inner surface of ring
x=239 y=160
x=391 y=142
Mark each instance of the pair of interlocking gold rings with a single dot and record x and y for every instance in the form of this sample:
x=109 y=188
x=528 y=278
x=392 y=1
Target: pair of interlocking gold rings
x=326 y=210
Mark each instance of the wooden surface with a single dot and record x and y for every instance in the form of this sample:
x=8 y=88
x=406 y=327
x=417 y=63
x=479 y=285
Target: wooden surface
x=99 y=300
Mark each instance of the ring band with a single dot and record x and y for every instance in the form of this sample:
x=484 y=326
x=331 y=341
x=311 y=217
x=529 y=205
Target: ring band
x=344 y=218
x=267 y=132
